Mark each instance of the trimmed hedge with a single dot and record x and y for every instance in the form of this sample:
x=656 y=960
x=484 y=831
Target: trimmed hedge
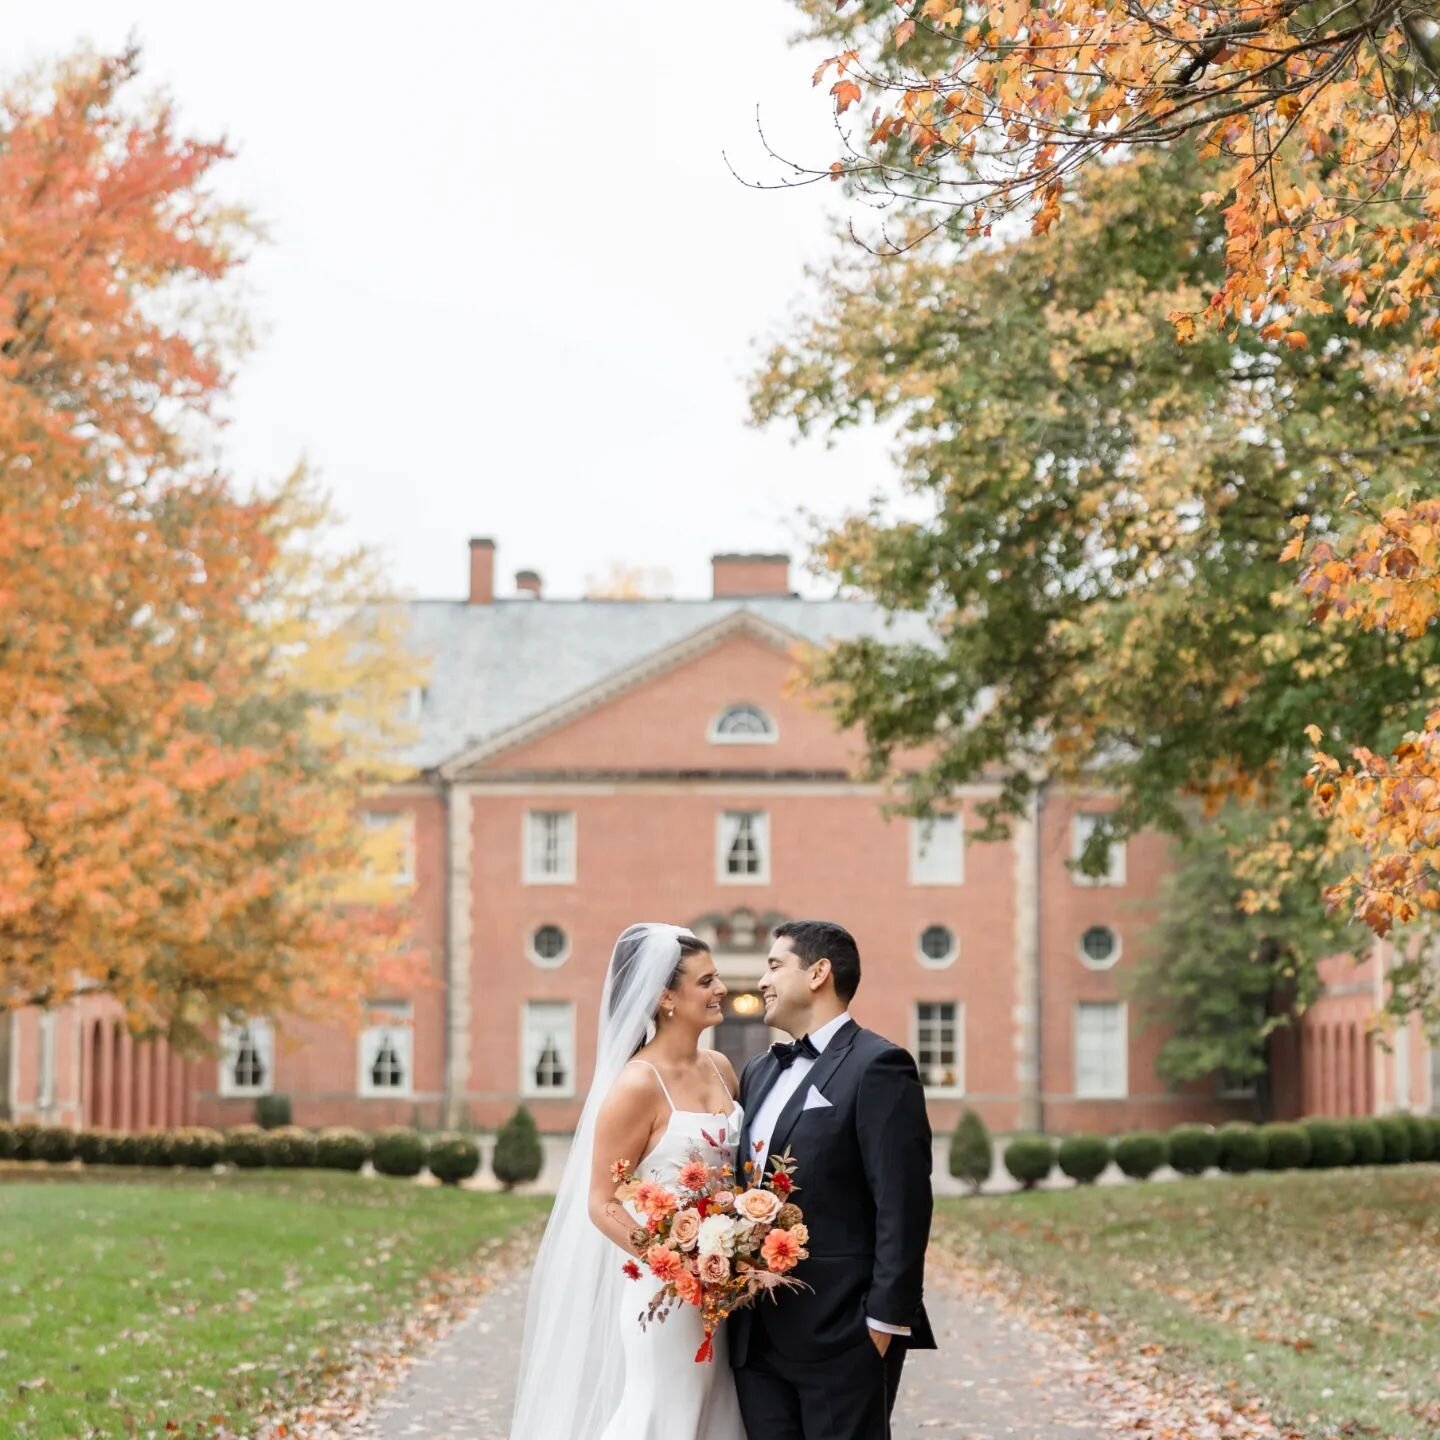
x=1030 y=1158
x=1331 y=1143
x=290 y=1147
x=1395 y=1135
x=272 y=1112
x=972 y=1154
x=245 y=1147
x=1287 y=1147
x=1367 y=1144
x=1141 y=1153
x=1243 y=1148
x=340 y=1149
x=518 y=1153
x=1422 y=1138
x=399 y=1151
x=1083 y=1157
x=453 y=1158
x=197 y=1147
x=1194 y=1149
x=55 y=1143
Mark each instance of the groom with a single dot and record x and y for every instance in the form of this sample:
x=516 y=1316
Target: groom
x=824 y=1363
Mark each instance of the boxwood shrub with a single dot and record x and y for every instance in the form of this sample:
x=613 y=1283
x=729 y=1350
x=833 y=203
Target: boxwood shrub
x=93 y=1146
x=1421 y=1137
x=9 y=1141
x=1194 y=1149
x=518 y=1155
x=1141 y=1153
x=290 y=1147
x=972 y=1154
x=245 y=1147
x=1331 y=1143
x=339 y=1148
x=399 y=1151
x=1030 y=1158
x=453 y=1158
x=55 y=1143
x=1242 y=1148
x=1366 y=1142
x=1083 y=1157
x=1287 y=1147
x=197 y=1147
x=1395 y=1136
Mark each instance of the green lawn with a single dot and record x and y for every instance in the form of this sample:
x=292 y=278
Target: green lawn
x=1318 y=1292
x=128 y=1303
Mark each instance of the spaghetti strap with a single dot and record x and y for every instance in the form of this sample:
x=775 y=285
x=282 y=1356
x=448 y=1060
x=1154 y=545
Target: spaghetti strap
x=721 y=1078
x=656 y=1074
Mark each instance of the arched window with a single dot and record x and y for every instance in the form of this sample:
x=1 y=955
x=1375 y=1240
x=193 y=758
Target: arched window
x=743 y=725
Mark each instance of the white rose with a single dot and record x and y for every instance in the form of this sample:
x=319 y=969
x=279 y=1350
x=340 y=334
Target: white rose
x=717 y=1235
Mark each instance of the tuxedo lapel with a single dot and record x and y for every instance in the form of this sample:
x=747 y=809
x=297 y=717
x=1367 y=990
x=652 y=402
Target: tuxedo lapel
x=819 y=1076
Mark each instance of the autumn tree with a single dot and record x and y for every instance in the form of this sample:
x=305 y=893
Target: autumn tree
x=1323 y=187
x=177 y=804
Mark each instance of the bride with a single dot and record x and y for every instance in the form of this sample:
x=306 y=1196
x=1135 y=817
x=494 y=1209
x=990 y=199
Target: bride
x=587 y=1369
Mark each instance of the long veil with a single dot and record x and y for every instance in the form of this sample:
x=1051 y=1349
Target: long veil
x=572 y=1367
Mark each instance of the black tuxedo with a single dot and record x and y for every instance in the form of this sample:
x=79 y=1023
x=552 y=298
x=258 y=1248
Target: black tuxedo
x=805 y=1364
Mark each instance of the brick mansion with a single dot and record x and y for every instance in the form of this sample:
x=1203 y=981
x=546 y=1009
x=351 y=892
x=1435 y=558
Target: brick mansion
x=582 y=764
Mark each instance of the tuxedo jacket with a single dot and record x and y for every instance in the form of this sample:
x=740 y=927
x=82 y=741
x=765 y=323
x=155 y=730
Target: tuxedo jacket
x=862 y=1177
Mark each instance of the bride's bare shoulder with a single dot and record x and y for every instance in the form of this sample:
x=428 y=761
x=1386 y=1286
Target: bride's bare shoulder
x=633 y=1089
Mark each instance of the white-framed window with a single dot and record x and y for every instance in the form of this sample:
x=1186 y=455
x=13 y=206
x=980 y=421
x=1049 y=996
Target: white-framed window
x=939 y=1045
x=397 y=831
x=1099 y=947
x=247 y=1057
x=387 y=1049
x=1101 y=1050
x=548 y=946
x=937 y=947
x=1083 y=827
x=937 y=851
x=550 y=847
x=743 y=725
x=1400 y=1058
x=547 y=1048
x=742 y=849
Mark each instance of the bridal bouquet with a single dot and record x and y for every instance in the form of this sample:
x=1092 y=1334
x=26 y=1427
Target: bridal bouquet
x=713 y=1242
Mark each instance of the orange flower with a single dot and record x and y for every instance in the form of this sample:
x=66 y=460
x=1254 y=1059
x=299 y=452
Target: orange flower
x=654 y=1200
x=687 y=1287
x=665 y=1264
x=620 y=1171
x=694 y=1175
x=781 y=1251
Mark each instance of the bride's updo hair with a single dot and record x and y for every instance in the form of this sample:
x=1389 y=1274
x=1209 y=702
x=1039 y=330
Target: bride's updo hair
x=624 y=971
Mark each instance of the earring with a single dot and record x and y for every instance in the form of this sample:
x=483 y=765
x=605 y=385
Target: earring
x=671 y=1012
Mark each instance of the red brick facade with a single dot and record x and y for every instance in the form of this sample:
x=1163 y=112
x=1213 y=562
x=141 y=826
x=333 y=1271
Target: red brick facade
x=1021 y=1014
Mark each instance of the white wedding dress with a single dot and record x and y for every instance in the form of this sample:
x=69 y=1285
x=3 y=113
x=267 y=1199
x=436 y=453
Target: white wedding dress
x=667 y=1395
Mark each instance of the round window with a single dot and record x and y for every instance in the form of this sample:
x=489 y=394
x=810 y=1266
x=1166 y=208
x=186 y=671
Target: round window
x=937 y=945
x=1100 y=947
x=550 y=945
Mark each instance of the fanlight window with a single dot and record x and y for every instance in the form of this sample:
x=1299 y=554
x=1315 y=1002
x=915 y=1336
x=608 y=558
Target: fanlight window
x=743 y=725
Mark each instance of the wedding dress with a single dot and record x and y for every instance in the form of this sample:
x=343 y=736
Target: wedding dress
x=667 y=1395
x=587 y=1370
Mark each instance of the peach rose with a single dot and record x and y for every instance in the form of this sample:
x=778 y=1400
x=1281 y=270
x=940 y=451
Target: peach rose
x=665 y=1263
x=687 y=1287
x=761 y=1206
x=655 y=1200
x=722 y=1200
x=714 y=1268
x=801 y=1234
x=781 y=1251
x=685 y=1229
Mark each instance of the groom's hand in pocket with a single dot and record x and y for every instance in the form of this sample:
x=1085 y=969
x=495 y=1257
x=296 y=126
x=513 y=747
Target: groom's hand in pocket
x=881 y=1341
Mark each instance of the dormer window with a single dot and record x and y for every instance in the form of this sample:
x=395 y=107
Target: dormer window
x=743 y=725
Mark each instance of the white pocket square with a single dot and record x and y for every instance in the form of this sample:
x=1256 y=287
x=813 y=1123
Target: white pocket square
x=816 y=1101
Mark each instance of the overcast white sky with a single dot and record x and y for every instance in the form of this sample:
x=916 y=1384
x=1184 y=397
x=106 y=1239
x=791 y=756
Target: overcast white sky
x=512 y=289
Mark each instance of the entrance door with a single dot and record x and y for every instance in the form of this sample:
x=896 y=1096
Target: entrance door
x=743 y=1034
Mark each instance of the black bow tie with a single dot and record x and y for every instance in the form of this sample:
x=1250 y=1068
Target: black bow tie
x=787 y=1052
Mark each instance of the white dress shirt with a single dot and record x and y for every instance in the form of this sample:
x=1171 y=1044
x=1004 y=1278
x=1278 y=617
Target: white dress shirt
x=771 y=1108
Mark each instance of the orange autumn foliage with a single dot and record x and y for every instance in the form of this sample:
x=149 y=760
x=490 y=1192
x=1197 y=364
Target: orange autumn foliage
x=172 y=831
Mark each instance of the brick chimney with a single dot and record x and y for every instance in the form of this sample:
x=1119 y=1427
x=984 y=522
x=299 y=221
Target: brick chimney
x=528 y=582
x=745 y=577
x=482 y=572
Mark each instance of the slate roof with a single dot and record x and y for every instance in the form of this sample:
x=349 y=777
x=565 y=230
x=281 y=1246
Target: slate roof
x=494 y=666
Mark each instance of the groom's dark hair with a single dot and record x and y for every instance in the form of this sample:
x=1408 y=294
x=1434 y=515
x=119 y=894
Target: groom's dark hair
x=814 y=940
